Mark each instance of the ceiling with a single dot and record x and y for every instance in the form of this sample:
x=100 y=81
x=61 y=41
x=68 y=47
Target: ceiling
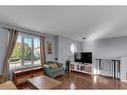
x=75 y=22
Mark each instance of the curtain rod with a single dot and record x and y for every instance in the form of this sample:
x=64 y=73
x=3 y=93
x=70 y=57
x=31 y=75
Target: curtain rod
x=25 y=32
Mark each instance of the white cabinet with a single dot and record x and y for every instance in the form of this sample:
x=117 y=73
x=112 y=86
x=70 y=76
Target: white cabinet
x=79 y=67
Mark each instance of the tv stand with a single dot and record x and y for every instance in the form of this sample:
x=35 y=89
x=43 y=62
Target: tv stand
x=83 y=68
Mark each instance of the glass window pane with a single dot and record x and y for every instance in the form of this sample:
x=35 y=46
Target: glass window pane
x=15 y=60
x=27 y=51
x=36 y=50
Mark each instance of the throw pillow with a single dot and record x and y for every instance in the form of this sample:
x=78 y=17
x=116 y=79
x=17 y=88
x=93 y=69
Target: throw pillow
x=54 y=65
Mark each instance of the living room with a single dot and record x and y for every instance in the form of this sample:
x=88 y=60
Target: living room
x=63 y=47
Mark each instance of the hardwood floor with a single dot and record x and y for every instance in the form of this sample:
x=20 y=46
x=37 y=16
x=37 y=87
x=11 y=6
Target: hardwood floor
x=83 y=81
x=76 y=80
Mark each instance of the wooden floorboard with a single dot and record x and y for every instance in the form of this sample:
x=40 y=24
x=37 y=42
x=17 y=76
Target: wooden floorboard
x=76 y=80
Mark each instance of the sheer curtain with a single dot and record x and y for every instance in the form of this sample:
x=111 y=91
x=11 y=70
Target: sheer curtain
x=42 y=49
x=11 y=45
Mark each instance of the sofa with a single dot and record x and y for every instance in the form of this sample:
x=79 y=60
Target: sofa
x=53 y=72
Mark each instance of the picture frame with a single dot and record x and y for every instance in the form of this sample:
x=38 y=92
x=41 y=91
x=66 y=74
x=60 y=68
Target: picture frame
x=49 y=47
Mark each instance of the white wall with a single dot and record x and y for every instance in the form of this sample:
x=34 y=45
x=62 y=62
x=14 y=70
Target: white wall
x=50 y=57
x=112 y=47
x=60 y=48
x=64 y=52
x=3 y=45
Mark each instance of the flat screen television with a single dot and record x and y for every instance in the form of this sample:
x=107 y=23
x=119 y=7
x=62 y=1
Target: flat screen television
x=84 y=57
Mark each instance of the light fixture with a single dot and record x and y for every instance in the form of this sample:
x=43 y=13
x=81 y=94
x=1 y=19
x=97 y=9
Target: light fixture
x=83 y=38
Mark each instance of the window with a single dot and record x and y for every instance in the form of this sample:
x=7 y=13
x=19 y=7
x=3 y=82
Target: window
x=73 y=48
x=26 y=52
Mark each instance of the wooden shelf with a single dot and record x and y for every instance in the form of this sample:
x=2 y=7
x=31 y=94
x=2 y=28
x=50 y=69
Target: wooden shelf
x=83 y=68
x=21 y=76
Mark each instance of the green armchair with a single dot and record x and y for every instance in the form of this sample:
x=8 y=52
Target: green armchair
x=49 y=71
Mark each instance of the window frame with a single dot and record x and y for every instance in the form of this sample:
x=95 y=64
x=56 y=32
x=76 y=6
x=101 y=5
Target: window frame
x=23 y=65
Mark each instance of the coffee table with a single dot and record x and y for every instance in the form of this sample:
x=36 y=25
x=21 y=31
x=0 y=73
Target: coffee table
x=42 y=82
